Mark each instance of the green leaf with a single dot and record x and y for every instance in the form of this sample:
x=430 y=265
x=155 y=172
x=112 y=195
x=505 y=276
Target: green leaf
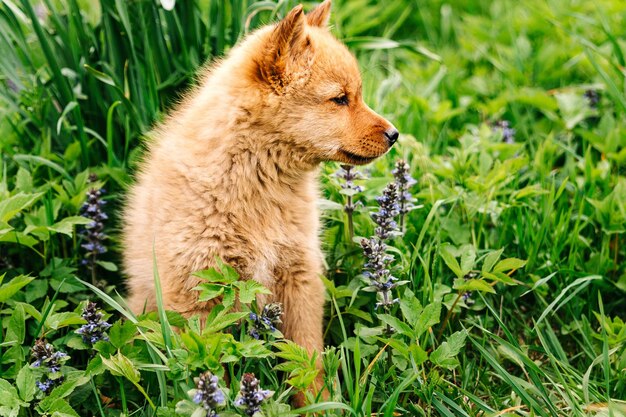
x=500 y=277
x=429 y=317
x=509 y=264
x=491 y=259
x=59 y=320
x=11 y=206
x=121 y=333
x=39 y=160
x=397 y=324
x=211 y=275
x=419 y=354
x=17 y=326
x=100 y=76
x=463 y=285
x=58 y=408
x=410 y=306
x=249 y=289
x=120 y=365
x=109 y=266
x=222 y=320
x=25 y=383
x=12 y=287
x=209 y=291
x=445 y=354
x=73 y=381
x=450 y=260
x=66 y=226
x=468 y=258
x=10 y=402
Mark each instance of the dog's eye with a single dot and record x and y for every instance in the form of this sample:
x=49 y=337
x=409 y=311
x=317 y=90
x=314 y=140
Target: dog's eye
x=341 y=100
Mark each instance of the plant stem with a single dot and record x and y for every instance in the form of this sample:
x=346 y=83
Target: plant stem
x=349 y=209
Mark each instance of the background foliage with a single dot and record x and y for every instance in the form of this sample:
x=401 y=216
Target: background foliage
x=513 y=121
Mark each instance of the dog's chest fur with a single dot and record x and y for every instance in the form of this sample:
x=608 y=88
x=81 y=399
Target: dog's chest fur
x=248 y=213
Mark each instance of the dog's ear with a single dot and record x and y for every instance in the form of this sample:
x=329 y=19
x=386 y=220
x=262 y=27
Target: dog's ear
x=288 y=47
x=320 y=16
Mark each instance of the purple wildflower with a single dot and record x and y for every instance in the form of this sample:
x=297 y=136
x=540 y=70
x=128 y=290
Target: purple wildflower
x=93 y=232
x=508 y=133
x=349 y=174
x=267 y=321
x=378 y=270
x=387 y=211
x=404 y=181
x=95 y=328
x=250 y=395
x=208 y=394
x=49 y=362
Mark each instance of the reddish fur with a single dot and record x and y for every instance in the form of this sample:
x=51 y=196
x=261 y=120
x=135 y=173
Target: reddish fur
x=232 y=172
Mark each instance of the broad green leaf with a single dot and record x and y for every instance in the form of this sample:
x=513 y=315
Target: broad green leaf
x=121 y=333
x=59 y=320
x=463 y=285
x=120 y=365
x=15 y=204
x=73 y=381
x=397 y=324
x=445 y=354
x=25 y=383
x=450 y=260
x=58 y=407
x=66 y=226
x=211 y=275
x=508 y=264
x=23 y=180
x=410 y=306
x=10 y=402
x=491 y=259
x=248 y=290
x=429 y=317
x=209 y=291
x=500 y=277
x=109 y=266
x=16 y=331
x=468 y=257
x=12 y=287
x=18 y=237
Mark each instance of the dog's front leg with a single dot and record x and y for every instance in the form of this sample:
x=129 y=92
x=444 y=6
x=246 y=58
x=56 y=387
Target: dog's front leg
x=302 y=296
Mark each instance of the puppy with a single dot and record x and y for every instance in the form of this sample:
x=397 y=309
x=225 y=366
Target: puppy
x=232 y=172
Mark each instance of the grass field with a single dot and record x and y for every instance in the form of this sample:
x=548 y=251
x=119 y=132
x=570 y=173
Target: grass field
x=511 y=262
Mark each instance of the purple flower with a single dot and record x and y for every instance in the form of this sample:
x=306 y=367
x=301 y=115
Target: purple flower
x=388 y=210
x=349 y=189
x=93 y=232
x=250 y=395
x=508 y=133
x=95 y=328
x=49 y=362
x=267 y=321
x=378 y=270
x=208 y=394
x=404 y=181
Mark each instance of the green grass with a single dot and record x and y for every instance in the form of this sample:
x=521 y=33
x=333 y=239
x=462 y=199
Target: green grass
x=533 y=229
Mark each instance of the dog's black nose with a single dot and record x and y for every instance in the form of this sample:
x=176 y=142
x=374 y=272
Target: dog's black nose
x=392 y=135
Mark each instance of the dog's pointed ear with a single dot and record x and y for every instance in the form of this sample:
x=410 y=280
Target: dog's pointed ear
x=287 y=43
x=320 y=16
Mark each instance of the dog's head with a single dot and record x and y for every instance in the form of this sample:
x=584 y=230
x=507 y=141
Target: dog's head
x=314 y=92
